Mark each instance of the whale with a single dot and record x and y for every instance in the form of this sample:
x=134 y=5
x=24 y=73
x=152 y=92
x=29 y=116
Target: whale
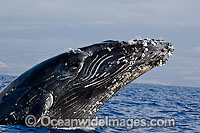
x=76 y=83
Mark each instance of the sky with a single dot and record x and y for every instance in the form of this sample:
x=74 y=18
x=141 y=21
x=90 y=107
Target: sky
x=34 y=30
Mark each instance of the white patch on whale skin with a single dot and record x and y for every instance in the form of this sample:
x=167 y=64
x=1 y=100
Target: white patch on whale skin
x=81 y=64
x=90 y=53
x=109 y=49
x=123 y=57
x=13 y=114
x=49 y=78
x=145 y=43
x=131 y=63
x=49 y=101
x=170 y=53
x=90 y=84
x=153 y=43
x=160 y=63
x=125 y=60
x=143 y=55
x=74 y=50
x=132 y=42
x=99 y=103
x=71 y=50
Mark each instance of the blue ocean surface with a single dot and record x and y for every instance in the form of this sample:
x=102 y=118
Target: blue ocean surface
x=139 y=101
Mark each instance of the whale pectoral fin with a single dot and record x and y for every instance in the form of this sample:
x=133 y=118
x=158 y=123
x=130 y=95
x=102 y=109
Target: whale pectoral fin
x=35 y=104
x=40 y=103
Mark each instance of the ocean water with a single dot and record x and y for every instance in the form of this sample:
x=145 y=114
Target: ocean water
x=140 y=101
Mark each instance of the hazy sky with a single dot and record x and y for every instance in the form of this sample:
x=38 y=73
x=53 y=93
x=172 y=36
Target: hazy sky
x=34 y=30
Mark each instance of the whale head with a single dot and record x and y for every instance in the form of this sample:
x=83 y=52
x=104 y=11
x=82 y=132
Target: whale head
x=77 y=83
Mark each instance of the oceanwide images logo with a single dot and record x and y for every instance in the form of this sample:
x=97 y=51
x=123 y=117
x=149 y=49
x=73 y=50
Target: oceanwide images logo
x=107 y=121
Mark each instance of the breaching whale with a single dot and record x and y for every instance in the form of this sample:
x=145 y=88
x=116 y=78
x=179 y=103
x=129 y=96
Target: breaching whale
x=77 y=83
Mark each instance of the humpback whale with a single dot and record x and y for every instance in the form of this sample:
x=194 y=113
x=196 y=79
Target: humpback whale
x=77 y=83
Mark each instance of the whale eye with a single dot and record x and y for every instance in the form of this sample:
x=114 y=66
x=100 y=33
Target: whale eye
x=74 y=66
